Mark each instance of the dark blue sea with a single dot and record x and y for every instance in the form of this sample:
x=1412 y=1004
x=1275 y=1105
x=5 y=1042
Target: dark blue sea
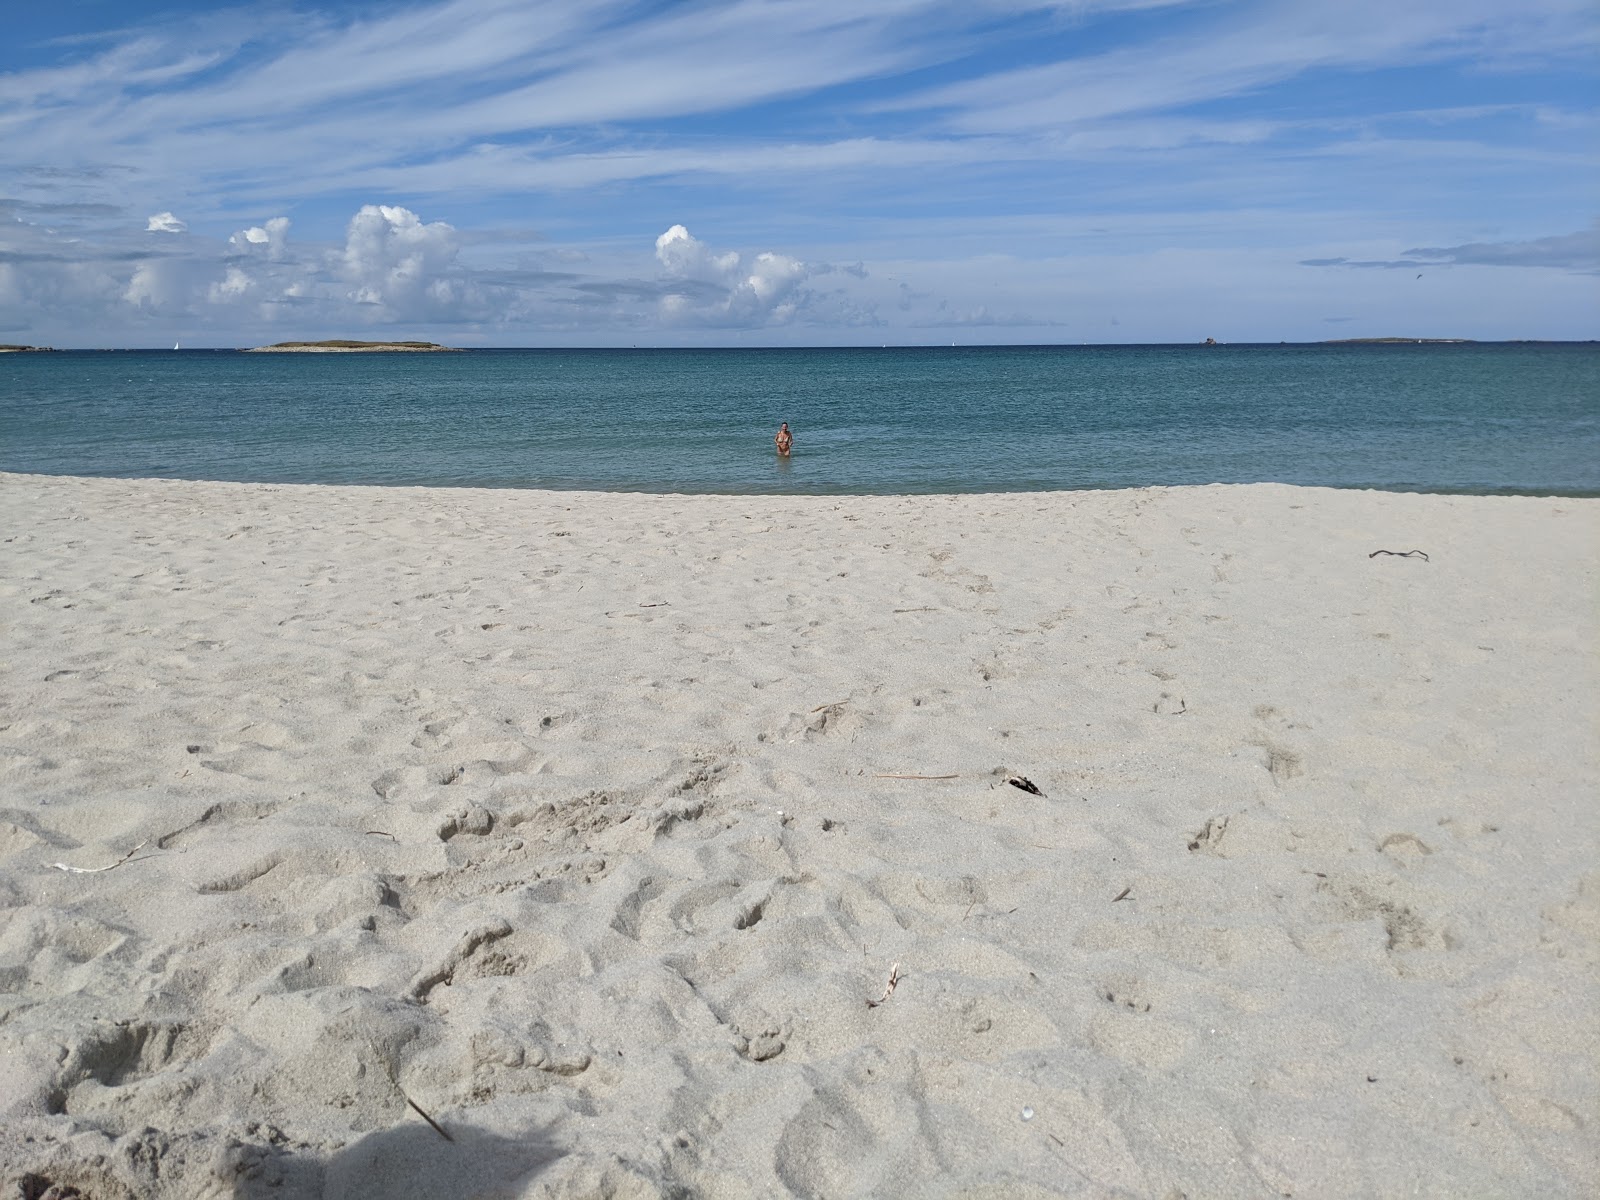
x=1522 y=418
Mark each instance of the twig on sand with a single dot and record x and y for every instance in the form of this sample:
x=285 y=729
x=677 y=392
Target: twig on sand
x=888 y=990
x=1401 y=554
x=657 y=604
x=906 y=610
x=437 y=1128
x=882 y=775
x=1122 y=895
x=831 y=704
x=381 y=833
x=394 y=1080
x=97 y=870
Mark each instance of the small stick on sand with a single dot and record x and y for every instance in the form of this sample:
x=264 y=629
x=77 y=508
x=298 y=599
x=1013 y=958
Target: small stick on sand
x=831 y=704
x=437 y=1128
x=394 y=1082
x=97 y=870
x=381 y=833
x=1401 y=554
x=884 y=776
x=658 y=604
x=894 y=978
x=1122 y=895
x=906 y=610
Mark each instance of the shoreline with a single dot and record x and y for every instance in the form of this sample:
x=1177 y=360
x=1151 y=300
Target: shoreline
x=774 y=494
x=1482 y=343
x=596 y=825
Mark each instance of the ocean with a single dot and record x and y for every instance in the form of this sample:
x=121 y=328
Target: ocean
x=1469 y=418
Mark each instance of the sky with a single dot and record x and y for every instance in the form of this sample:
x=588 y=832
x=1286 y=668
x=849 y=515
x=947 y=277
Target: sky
x=798 y=172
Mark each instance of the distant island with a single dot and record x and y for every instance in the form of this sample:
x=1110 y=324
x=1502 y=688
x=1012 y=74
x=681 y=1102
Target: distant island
x=27 y=349
x=1397 y=341
x=341 y=346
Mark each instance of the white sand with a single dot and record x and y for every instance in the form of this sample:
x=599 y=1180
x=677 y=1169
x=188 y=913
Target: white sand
x=563 y=813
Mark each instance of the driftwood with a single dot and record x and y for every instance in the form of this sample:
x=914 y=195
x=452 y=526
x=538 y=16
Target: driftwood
x=97 y=870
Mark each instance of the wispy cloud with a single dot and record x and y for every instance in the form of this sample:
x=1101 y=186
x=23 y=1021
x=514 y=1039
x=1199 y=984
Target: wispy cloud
x=508 y=168
x=1252 y=47
x=1578 y=251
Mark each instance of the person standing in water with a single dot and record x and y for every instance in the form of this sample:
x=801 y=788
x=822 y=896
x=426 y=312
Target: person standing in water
x=783 y=440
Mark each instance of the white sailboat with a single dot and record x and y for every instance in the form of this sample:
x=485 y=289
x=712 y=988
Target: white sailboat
x=174 y=345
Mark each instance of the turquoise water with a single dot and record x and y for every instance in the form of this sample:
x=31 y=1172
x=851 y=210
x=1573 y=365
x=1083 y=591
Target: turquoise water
x=1466 y=418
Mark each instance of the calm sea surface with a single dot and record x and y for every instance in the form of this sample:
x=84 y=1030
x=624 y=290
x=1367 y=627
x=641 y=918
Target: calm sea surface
x=1469 y=418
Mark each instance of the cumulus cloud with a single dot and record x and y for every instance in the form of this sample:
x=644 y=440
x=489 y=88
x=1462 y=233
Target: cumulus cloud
x=686 y=257
x=393 y=267
x=766 y=291
x=392 y=259
x=233 y=286
x=269 y=239
x=162 y=286
x=165 y=222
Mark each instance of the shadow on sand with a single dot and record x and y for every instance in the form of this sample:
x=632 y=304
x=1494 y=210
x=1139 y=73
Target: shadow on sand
x=406 y=1162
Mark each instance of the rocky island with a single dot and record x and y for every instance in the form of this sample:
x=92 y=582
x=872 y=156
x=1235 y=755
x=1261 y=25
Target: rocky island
x=341 y=346
x=26 y=349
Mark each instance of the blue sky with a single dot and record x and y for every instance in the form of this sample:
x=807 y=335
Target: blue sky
x=779 y=172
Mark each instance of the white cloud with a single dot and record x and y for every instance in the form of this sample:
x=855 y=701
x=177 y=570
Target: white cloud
x=161 y=286
x=391 y=258
x=270 y=239
x=234 y=285
x=685 y=257
x=165 y=222
x=765 y=292
x=1249 y=48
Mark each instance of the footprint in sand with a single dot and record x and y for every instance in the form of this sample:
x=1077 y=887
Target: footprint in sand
x=216 y=816
x=1283 y=762
x=470 y=819
x=435 y=732
x=1404 y=848
x=1125 y=993
x=1387 y=901
x=1209 y=839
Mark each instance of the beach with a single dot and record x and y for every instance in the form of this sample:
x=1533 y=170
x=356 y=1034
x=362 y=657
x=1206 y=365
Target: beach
x=1164 y=842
